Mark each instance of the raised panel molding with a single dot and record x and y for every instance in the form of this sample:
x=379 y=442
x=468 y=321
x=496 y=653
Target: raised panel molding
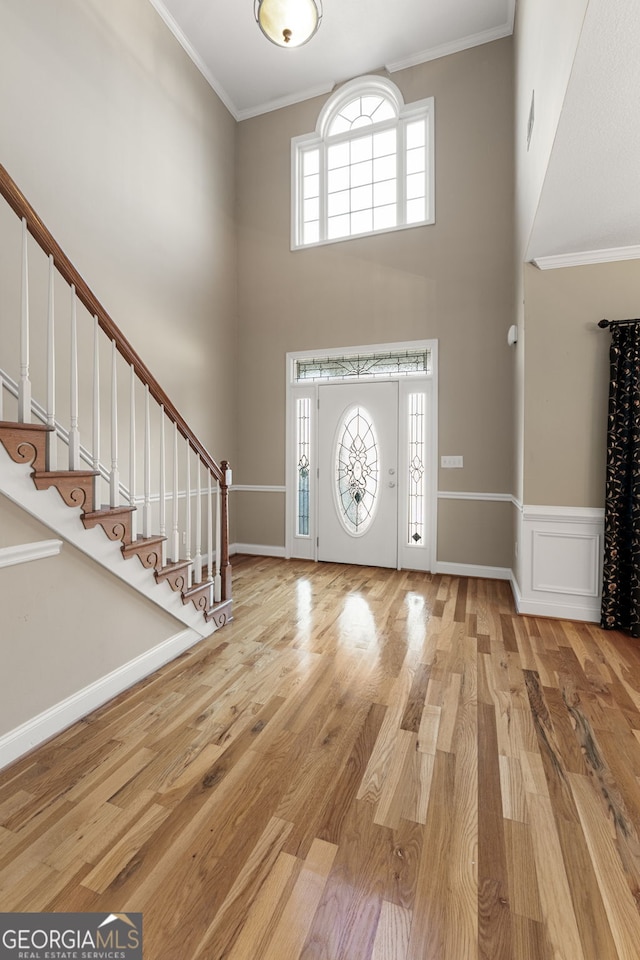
x=579 y=555
x=561 y=569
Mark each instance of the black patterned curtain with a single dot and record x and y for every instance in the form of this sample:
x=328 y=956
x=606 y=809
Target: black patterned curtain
x=621 y=579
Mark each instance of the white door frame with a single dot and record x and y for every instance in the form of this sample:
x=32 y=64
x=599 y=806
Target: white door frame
x=422 y=557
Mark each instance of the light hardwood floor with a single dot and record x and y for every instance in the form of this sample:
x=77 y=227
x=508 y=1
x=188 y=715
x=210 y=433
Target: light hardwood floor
x=366 y=765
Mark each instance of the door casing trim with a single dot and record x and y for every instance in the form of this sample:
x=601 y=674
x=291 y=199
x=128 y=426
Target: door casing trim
x=306 y=547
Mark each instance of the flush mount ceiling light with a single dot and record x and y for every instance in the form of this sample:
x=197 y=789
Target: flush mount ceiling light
x=288 y=23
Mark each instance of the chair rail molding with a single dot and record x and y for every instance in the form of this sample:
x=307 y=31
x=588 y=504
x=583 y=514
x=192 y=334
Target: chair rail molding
x=561 y=550
x=25 y=552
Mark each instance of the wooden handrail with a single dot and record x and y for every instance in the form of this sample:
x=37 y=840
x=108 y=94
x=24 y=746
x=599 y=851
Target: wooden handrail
x=21 y=206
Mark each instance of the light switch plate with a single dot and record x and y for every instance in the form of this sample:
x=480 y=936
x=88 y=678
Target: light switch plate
x=448 y=463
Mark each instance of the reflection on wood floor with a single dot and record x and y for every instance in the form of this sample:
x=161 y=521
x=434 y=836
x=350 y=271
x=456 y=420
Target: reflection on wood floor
x=368 y=765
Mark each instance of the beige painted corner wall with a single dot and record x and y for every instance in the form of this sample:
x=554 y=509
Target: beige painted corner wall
x=258 y=511
x=128 y=156
x=65 y=623
x=546 y=36
x=451 y=281
x=567 y=378
x=475 y=532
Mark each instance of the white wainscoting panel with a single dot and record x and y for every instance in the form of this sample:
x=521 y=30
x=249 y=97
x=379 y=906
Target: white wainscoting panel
x=561 y=562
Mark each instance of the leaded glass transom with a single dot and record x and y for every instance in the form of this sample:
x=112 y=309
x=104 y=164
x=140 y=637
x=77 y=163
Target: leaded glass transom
x=392 y=364
x=357 y=470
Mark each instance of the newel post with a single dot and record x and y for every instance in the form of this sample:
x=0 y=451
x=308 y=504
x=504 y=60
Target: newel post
x=225 y=565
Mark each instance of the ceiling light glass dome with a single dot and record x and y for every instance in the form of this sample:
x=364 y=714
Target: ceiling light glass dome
x=288 y=23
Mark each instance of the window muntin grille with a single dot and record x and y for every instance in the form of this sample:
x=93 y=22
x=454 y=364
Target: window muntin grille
x=383 y=365
x=357 y=471
x=416 y=478
x=368 y=172
x=303 y=464
x=361 y=112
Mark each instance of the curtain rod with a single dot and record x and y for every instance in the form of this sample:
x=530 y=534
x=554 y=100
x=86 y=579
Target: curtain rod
x=603 y=324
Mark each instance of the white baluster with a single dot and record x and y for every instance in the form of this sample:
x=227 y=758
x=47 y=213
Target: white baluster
x=210 y=537
x=163 y=491
x=188 y=517
x=197 y=563
x=1 y=397
x=24 y=390
x=132 y=453
x=74 y=433
x=52 y=440
x=217 y=588
x=96 y=411
x=175 y=540
x=114 y=476
x=146 y=520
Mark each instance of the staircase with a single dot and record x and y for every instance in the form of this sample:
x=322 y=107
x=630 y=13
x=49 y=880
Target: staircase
x=174 y=519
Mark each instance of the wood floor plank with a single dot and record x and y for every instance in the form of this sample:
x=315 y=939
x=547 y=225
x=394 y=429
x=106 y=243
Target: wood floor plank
x=291 y=931
x=620 y=905
x=365 y=764
x=555 y=894
x=392 y=935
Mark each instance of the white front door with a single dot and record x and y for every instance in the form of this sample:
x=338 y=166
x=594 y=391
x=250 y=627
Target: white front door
x=358 y=473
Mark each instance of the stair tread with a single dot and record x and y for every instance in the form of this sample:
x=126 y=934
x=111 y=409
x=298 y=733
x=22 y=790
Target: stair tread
x=196 y=588
x=61 y=474
x=174 y=566
x=139 y=540
x=106 y=511
x=11 y=425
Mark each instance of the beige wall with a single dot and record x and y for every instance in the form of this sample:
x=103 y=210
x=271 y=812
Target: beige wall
x=65 y=623
x=471 y=536
x=128 y=156
x=546 y=36
x=567 y=378
x=451 y=281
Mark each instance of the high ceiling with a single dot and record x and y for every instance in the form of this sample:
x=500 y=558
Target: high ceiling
x=590 y=200
x=356 y=37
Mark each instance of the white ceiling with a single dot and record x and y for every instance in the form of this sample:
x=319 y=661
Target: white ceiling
x=356 y=37
x=590 y=200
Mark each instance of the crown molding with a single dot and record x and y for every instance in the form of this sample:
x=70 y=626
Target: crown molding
x=433 y=53
x=289 y=101
x=455 y=46
x=586 y=257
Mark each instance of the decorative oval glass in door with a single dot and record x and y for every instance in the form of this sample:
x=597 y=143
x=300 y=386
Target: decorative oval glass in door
x=357 y=470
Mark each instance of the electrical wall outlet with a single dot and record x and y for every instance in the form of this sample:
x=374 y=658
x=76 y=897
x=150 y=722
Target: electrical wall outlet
x=447 y=463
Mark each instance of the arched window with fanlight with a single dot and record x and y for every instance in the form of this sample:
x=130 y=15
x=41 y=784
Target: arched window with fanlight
x=368 y=168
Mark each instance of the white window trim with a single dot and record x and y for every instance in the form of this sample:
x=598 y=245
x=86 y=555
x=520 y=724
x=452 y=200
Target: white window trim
x=361 y=87
x=410 y=557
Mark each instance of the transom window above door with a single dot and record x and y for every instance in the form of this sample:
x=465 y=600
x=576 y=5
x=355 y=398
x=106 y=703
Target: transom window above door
x=368 y=168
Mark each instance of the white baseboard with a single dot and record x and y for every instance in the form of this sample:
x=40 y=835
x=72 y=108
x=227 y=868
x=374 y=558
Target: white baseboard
x=257 y=550
x=472 y=570
x=31 y=734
